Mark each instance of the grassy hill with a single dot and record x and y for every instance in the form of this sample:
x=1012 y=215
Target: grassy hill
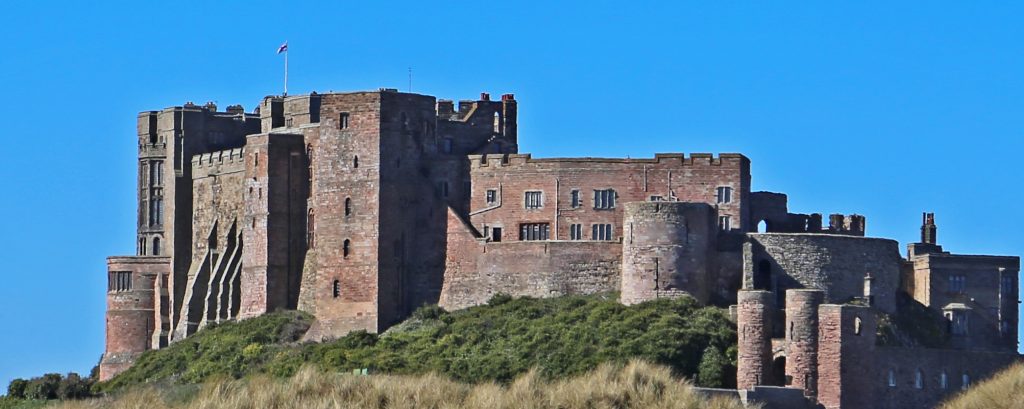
x=634 y=385
x=559 y=337
x=1005 y=390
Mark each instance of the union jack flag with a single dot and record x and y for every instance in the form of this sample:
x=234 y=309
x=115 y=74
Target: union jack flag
x=282 y=48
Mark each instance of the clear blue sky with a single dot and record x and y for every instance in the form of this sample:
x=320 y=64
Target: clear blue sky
x=879 y=109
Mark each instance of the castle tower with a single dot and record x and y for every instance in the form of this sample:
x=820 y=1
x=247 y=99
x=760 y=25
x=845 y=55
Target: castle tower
x=929 y=231
x=753 y=323
x=665 y=250
x=802 y=338
x=846 y=343
x=130 y=310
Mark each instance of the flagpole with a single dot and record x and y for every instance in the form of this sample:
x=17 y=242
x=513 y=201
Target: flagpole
x=286 y=71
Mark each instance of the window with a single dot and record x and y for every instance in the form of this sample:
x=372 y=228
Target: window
x=310 y=229
x=856 y=325
x=656 y=198
x=496 y=234
x=943 y=380
x=446 y=145
x=534 y=200
x=156 y=211
x=309 y=170
x=892 y=378
x=957 y=284
x=443 y=187
x=575 y=232
x=575 y=198
x=346 y=248
x=919 y=379
x=533 y=231
x=348 y=206
x=142 y=246
x=343 y=120
x=337 y=288
x=723 y=223
x=156 y=173
x=601 y=232
x=724 y=194
x=1006 y=286
x=957 y=320
x=965 y=381
x=604 y=199
x=119 y=281
x=355 y=161
x=156 y=246
x=492 y=196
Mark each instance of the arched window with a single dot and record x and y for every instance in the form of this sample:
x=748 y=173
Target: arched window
x=497 y=122
x=892 y=378
x=762 y=226
x=965 y=381
x=311 y=229
x=346 y=248
x=156 y=246
x=337 y=289
x=355 y=161
x=348 y=206
x=856 y=325
x=919 y=379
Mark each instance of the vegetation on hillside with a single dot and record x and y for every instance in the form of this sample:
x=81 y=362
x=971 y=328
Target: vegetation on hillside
x=558 y=337
x=1005 y=390
x=634 y=385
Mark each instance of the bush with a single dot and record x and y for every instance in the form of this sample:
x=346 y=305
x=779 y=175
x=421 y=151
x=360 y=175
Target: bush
x=44 y=387
x=74 y=386
x=16 y=389
x=559 y=337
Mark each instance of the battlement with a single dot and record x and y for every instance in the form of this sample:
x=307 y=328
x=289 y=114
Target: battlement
x=668 y=159
x=230 y=160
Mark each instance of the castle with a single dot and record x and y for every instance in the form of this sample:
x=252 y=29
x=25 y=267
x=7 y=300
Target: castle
x=360 y=207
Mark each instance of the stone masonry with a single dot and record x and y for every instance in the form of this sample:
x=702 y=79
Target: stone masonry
x=360 y=207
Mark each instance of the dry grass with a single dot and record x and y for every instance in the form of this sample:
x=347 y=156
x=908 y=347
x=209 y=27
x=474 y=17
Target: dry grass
x=1005 y=390
x=635 y=385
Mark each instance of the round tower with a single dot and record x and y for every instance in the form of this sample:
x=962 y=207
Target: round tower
x=665 y=250
x=753 y=327
x=130 y=309
x=802 y=338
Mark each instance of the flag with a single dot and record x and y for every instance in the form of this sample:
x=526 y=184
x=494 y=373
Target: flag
x=282 y=48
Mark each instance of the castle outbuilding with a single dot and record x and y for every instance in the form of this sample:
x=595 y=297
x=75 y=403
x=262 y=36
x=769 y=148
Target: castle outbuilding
x=360 y=207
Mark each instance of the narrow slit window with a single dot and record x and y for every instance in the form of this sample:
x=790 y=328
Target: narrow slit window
x=337 y=288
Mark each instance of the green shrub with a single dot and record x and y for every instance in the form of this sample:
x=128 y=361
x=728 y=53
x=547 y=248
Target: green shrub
x=16 y=389
x=560 y=337
x=44 y=387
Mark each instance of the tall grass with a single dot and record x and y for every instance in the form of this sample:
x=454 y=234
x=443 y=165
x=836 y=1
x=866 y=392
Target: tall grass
x=1005 y=390
x=633 y=385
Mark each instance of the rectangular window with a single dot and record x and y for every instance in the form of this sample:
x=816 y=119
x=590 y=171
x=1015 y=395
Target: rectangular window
x=601 y=232
x=604 y=199
x=723 y=223
x=492 y=196
x=533 y=231
x=156 y=176
x=656 y=199
x=724 y=194
x=575 y=232
x=957 y=284
x=534 y=200
x=156 y=211
x=119 y=281
x=343 y=120
x=575 y=198
x=1006 y=286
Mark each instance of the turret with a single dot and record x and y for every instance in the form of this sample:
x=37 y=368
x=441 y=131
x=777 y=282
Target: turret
x=754 y=327
x=802 y=338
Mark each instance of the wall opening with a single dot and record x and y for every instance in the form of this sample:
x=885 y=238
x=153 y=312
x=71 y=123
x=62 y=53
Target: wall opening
x=355 y=162
x=778 y=377
x=762 y=226
x=346 y=248
x=337 y=289
x=763 y=275
x=311 y=229
x=156 y=246
x=348 y=206
x=856 y=325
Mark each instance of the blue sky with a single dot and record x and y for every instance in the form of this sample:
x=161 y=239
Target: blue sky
x=853 y=107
